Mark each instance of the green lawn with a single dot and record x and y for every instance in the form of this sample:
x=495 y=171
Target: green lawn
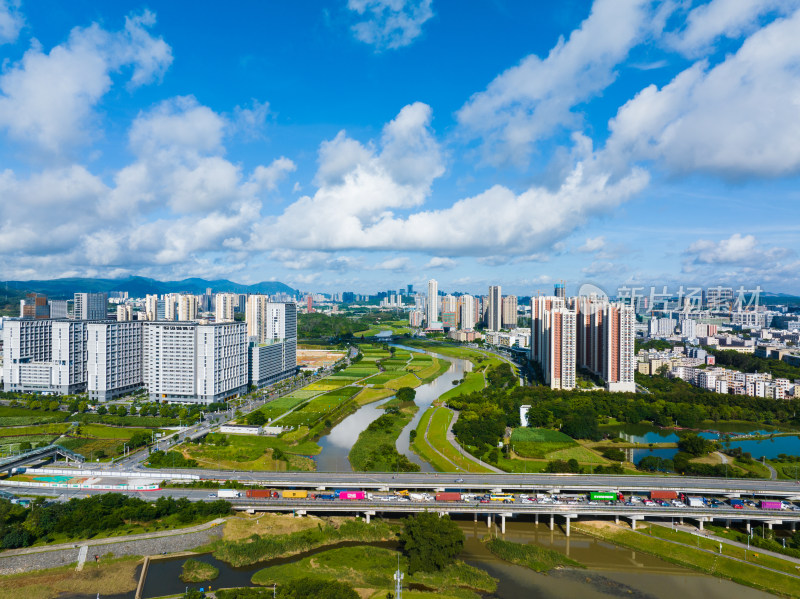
x=473 y=381
x=583 y=455
x=316 y=409
x=22 y=416
x=252 y=452
x=539 y=442
x=280 y=406
x=423 y=450
x=41 y=429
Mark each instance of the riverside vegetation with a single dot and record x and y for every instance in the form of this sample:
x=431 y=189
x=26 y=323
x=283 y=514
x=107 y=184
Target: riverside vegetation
x=375 y=450
x=194 y=570
x=534 y=557
x=107 y=514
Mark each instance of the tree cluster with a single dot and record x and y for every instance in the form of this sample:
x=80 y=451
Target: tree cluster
x=430 y=542
x=84 y=518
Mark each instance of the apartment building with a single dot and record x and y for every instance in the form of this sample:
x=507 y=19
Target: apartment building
x=553 y=340
x=90 y=306
x=114 y=358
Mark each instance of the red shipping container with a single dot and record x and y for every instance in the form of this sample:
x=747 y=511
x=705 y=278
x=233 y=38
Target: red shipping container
x=351 y=495
x=259 y=493
x=663 y=494
x=448 y=496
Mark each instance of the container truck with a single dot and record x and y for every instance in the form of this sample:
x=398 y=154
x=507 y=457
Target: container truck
x=771 y=505
x=352 y=495
x=695 y=502
x=668 y=495
x=602 y=496
x=737 y=503
x=228 y=493
x=261 y=493
x=325 y=496
x=295 y=494
x=448 y=496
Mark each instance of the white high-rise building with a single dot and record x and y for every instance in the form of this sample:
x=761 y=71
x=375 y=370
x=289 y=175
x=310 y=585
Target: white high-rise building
x=467 y=312
x=432 y=309
x=224 y=306
x=59 y=308
x=171 y=306
x=187 y=308
x=494 y=315
x=114 y=358
x=151 y=307
x=124 y=312
x=44 y=356
x=189 y=362
x=90 y=306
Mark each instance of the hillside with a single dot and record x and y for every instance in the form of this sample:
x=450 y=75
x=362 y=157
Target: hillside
x=141 y=286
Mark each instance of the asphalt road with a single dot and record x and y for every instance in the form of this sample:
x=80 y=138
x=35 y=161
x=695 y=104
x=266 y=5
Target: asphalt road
x=473 y=507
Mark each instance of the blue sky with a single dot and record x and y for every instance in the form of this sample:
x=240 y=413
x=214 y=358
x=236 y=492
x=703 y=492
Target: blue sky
x=369 y=144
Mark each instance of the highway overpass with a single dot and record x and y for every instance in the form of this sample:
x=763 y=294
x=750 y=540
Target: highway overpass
x=520 y=483
x=552 y=514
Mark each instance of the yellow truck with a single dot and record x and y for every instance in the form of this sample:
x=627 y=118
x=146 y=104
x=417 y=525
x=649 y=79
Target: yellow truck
x=295 y=494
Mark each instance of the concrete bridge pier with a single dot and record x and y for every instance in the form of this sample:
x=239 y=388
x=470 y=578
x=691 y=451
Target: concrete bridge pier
x=552 y=522
x=727 y=523
x=616 y=519
x=700 y=523
x=794 y=526
x=476 y=516
x=502 y=524
x=681 y=520
x=536 y=519
x=747 y=526
x=367 y=516
x=567 y=518
x=633 y=521
x=488 y=520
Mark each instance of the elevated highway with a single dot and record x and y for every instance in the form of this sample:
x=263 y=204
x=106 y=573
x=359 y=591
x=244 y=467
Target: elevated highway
x=520 y=483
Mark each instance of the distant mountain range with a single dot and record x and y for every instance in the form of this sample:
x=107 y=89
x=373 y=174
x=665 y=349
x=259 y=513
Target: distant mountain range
x=141 y=286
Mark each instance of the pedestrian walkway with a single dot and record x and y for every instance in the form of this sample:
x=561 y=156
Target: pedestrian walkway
x=84 y=551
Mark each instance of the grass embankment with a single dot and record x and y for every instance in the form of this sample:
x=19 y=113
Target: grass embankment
x=423 y=449
x=370 y=569
x=708 y=562
x=257 y=548
x=534 y=557
x=375 y=450
x=539 y=442
x=243 y=526
x=108 y=577
x=194 y=570
x=453 y=460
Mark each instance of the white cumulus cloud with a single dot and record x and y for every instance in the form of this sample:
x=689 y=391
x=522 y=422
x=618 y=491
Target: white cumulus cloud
x=739 y=118
x=531 y=101
x=11 y=21
x=48 y=99
x=390 y=23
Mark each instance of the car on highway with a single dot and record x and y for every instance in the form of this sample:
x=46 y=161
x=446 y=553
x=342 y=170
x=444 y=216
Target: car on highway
x=459 y=480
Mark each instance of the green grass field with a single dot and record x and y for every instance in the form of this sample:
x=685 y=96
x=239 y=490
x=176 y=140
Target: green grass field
x=371 y=568
x=473 y=381
x=423 y=450
x=582 y=454
x=22 y=416
x=41 y=429
x=252 y=452
x=540 y=442
x=316 y=409
x=280 y=406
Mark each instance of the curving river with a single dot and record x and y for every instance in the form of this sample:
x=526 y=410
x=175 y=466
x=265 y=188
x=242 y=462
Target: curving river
x=336 y=445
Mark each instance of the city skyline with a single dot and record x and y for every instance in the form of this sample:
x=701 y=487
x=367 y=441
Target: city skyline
x=512 y=144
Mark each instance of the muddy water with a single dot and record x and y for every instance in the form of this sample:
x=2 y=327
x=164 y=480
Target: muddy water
x=611 y=571
x=336 y=445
